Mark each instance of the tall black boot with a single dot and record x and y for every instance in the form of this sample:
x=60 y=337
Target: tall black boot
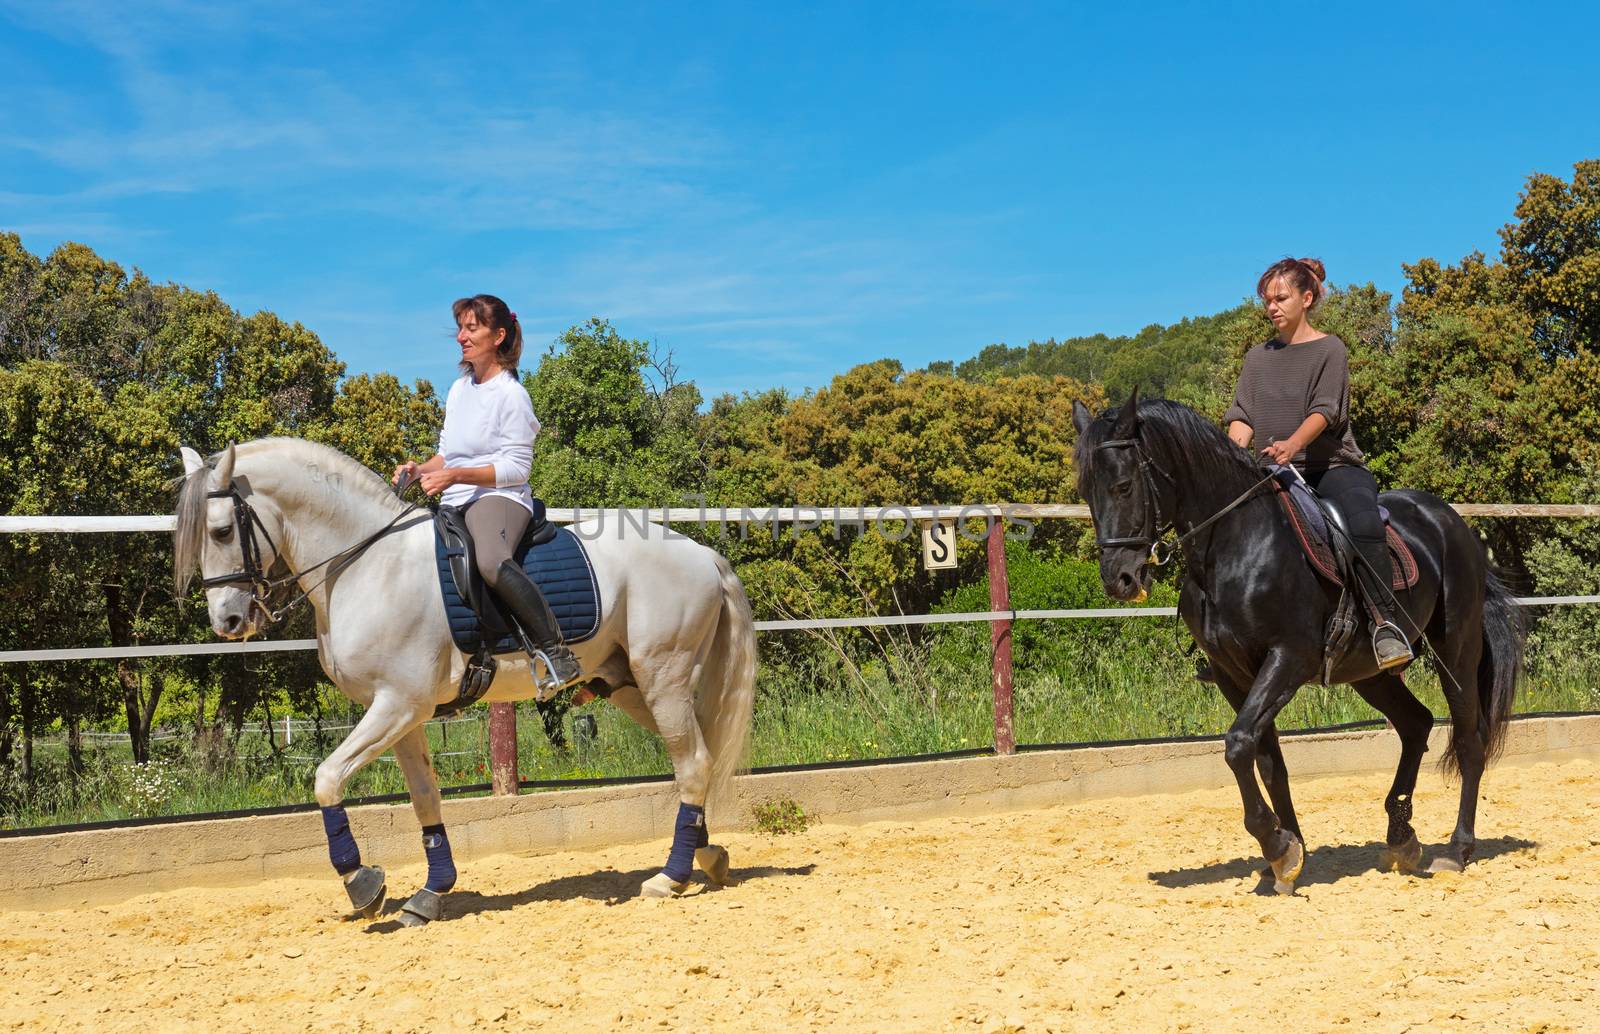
x=532 y=612
x=1390 y=645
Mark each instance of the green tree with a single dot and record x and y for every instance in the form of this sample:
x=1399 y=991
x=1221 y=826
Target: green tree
x=617 y=428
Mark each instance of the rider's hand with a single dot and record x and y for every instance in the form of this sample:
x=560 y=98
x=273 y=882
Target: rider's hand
x=436 y=481
x=1280 y=452
x=405 y=472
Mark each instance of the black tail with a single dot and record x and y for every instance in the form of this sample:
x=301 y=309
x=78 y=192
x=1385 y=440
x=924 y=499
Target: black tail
x=1504 y=630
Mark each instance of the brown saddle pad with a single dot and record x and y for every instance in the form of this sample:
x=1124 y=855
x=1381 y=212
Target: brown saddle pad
x=1320 y=553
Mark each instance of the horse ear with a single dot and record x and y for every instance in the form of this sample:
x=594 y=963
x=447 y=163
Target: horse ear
x=192 y=461
x=1128 y=417
x=1080 y=417
x=225 y=467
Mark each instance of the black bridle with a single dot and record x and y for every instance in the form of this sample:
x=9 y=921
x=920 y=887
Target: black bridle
x=261 y=584
x=1155 y=524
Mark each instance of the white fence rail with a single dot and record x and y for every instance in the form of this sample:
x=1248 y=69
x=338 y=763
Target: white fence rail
x=804 y=517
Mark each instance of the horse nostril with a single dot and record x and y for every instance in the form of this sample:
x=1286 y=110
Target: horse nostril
x=232 y=623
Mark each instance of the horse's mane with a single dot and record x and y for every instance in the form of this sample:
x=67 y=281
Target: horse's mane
x=1181 y=440
x=190 y=508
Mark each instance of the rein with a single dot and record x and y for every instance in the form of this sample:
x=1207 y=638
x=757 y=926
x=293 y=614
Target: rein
x=1161 y=553
x=246 y=520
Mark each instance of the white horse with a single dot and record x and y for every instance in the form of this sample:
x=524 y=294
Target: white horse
x=674 y=619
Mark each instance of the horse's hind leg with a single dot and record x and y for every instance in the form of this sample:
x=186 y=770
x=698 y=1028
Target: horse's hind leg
x=1459 y=654
x=1412 y=720
x=671 y=715
x=384 y=723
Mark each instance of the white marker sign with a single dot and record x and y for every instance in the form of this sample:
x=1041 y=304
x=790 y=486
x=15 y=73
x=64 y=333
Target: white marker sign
x=939 y=544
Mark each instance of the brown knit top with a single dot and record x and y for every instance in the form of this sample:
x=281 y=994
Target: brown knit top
x=1283 y=384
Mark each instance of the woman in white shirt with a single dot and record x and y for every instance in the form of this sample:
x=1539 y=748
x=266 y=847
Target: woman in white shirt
x=485 y=452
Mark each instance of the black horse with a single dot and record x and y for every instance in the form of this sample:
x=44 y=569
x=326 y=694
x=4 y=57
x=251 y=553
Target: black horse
x=1259 y=610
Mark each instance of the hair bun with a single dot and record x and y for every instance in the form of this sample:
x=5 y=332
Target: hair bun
x=1318 y=270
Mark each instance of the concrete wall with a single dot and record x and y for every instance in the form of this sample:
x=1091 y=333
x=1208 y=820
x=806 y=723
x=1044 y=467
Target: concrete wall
x=69 y=869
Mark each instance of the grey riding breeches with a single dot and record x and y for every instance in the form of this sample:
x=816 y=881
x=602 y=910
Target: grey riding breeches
x=497 y=525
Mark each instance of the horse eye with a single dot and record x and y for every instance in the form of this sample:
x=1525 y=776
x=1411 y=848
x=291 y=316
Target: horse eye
x=223 y=533
x=1122 y=488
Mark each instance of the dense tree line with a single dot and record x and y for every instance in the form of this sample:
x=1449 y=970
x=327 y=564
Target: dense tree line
x=1481 y=384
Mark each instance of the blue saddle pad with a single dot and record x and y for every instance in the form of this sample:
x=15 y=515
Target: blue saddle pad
x=559 y=567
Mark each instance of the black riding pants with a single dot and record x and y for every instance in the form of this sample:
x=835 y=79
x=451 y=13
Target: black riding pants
x=1354 y=491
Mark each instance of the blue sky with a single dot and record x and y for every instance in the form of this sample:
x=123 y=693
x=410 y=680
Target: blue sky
x=776 y=192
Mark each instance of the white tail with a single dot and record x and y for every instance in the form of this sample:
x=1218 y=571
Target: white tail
x=728 y=684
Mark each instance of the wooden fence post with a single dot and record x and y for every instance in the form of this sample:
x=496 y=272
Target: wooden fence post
x=1005 y=738
x=503 y=747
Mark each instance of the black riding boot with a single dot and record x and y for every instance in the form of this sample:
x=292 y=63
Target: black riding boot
x=531 y=611
x=1389 y=644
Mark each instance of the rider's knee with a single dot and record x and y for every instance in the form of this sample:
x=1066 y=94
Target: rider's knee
x=489 y=568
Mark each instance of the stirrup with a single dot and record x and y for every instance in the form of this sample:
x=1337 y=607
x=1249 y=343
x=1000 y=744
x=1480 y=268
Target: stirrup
x=551 y=683
x=1397 y=660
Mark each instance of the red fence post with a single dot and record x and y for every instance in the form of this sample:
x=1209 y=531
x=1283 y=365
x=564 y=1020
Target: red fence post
x=1005 y=737
x=503 y=747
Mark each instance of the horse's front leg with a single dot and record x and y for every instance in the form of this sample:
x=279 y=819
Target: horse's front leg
x=411 y=750
x=1269 y=758
x=385 y=722
x=1252 y=731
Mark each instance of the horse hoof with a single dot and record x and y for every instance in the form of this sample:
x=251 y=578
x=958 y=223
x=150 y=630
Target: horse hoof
x=366 y=887
x=1286 y=869
x=1445 y=863
x=1401 y=858
x=424 y=907
x=662 y=886
x=713 y=861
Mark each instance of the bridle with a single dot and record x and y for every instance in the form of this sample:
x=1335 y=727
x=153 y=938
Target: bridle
x=261 y=584
x=1161 y=553
x=1154 y=523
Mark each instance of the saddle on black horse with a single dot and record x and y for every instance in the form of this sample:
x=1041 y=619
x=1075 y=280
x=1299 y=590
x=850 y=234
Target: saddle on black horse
x=553 y=558
x=1325 y=539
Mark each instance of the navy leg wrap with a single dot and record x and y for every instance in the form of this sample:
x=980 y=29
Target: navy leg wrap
x=441 y=868
x=689 y=834
x=342 y=849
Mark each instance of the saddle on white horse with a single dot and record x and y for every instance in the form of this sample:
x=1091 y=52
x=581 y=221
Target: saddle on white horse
x=552 y=557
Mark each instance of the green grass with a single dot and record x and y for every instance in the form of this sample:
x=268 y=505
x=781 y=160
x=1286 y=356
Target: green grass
x=779 y=816
x=1075 y=682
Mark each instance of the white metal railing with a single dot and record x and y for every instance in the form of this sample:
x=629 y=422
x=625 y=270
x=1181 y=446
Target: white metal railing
x=801 y=517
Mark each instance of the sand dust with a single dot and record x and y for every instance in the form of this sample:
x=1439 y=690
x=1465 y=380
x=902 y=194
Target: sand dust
x=1131 y=914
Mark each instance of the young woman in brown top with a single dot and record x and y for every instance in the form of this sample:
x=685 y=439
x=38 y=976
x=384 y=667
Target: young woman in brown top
x=1293 y=407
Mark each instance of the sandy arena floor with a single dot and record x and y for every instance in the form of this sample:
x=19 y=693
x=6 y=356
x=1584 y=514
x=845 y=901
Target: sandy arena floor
x=1132 y=914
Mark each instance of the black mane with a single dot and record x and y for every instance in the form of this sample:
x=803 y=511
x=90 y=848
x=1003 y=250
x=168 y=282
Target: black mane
x=1184 y=443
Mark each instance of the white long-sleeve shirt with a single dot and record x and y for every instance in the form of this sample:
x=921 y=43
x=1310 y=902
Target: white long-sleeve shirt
x=489 y=423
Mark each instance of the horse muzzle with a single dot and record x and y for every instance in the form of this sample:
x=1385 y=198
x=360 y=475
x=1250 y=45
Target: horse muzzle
x=235 y=616
x=1129 y=586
